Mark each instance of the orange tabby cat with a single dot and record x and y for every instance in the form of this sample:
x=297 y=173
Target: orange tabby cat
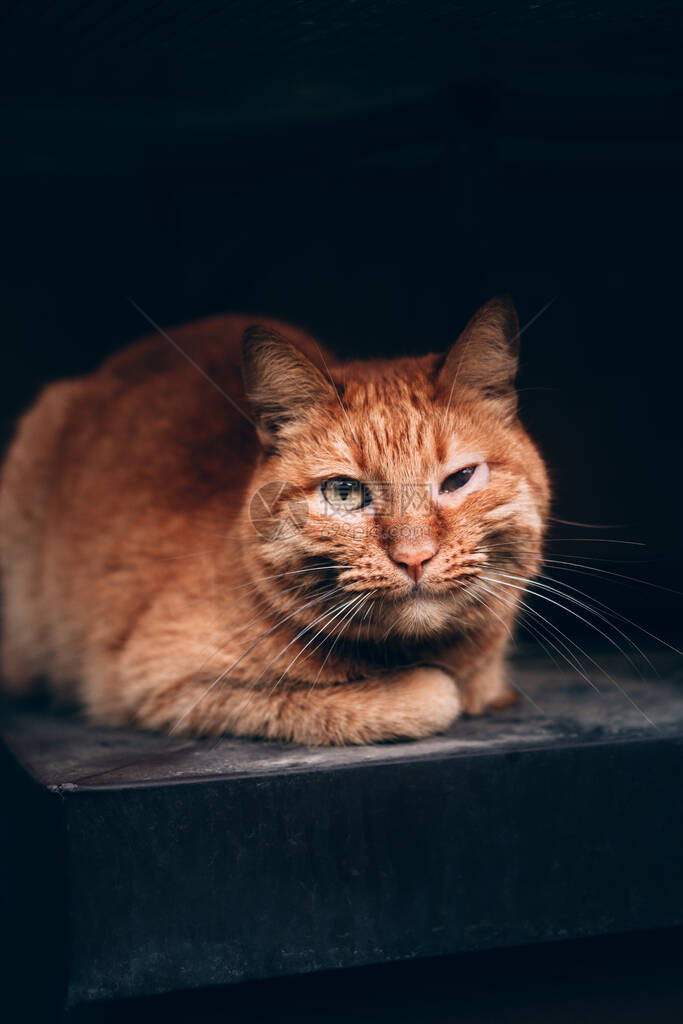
x=294 y=549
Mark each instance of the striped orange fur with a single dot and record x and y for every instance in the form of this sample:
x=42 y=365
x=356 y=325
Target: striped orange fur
x=171 y=559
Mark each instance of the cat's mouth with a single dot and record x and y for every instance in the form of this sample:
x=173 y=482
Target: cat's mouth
x=430 y=590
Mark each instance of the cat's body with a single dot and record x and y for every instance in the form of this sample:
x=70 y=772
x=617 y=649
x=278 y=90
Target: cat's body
x=140 y=579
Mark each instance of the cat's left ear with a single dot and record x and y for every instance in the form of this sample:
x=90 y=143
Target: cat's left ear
x=280 y=381
x=485 y=356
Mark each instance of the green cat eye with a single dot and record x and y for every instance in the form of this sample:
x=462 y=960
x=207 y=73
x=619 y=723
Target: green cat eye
x=346 y=495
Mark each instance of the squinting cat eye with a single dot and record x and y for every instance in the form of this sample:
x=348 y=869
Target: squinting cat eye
x=457 y=480
x=345 y=495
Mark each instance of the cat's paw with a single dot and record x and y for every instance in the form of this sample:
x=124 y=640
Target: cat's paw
x=423 y=700
x=488 y=690
x=408 y=704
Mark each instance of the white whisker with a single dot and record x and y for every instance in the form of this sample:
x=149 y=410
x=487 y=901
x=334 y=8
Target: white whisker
x=250 y=648
x=332 y=646
x=191 y=361
x=561 y=638
x=341 y=404
x=341 y=611
x=261 y=614
x=582 y=604
x=516 y=685
x=302 y=632
x=602 y=633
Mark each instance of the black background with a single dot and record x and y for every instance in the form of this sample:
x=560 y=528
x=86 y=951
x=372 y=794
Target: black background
x=373 y=171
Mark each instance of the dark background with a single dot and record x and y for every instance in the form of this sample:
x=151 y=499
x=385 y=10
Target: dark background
x=374 y=171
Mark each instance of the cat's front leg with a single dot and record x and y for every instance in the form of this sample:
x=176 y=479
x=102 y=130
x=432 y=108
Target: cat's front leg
x=407 y=704
x=167 y=677
x=482 y=679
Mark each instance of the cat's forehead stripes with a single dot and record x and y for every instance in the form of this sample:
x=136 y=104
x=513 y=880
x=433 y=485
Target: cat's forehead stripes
x=407 y=388
x=395 y=420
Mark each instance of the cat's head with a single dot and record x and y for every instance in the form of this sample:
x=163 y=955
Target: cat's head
x=387 y=490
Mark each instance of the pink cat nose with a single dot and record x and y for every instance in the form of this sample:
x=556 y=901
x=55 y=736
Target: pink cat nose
x=413 y=557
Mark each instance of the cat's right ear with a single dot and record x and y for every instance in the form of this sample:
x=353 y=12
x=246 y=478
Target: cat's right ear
x=485 y=356
x=280 y=382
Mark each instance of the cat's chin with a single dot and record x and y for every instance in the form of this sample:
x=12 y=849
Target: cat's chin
x=420 y=617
